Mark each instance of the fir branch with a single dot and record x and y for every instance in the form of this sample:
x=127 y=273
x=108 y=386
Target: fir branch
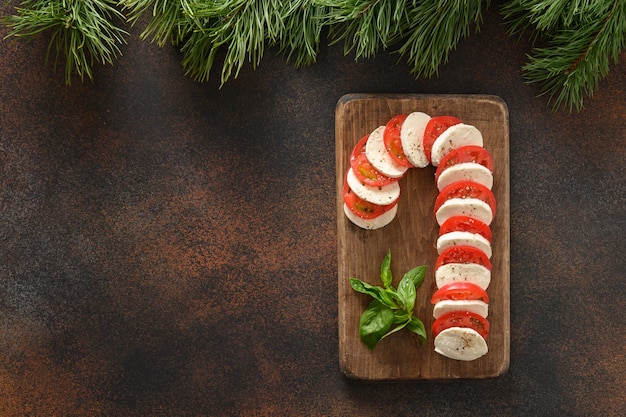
x=578 y=50
x=365 y=26
x=82 y=32
x=170 y=21
x=242 y=26
x=542 y=16
x=436 y=28
x=578 y=38
x=302 y=32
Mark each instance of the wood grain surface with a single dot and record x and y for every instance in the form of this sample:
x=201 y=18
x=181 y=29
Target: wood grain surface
x=411 y=238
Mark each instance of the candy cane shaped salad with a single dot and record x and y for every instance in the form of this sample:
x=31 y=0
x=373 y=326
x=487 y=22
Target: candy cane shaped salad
x=464 y=209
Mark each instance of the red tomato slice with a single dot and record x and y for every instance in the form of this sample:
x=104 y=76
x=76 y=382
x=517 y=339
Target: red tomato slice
x=463 y=254
x=465 y=224
x=363 y=209
x=461 y=319
x=460 y=290
x=470 y=153
x=393 y=141
x=364 y=170
x=435 y=127
x=466 y=189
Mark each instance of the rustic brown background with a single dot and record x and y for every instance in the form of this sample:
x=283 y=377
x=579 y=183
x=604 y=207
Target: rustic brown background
x=168 y=248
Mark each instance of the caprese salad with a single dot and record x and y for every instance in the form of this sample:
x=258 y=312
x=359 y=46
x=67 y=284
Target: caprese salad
x=464 y=209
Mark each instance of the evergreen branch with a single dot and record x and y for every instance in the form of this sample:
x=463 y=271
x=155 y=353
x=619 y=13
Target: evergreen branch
x=578 y=37
x=578 y=47
x=544 y=16
x=365 y=26
x=242 y=26
x=302 y=32
x=436 y=28
x=81 y=31
x=169 y=22
x=199 y=51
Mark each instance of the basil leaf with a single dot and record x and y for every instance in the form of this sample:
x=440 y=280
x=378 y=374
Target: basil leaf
x=375 y=292
x=400 y=316
x=393 y=295
x=395 y=329
x=385 y=271
x=406 y=293
x=416 y=275
x=391 y=309
x=374 y=323
x=416 y=326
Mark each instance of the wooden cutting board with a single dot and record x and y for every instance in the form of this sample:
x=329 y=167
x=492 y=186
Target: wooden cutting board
x=411 y=238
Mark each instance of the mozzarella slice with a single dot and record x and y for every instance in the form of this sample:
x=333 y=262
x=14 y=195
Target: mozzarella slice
x=471 y=171
x=412 y=138
x=371 y=224
x=383 y=195
x=379 y=157
x=472 y=207
x=461 y=343
x=474 y=306
x=458 y=238
x=454 y=137
x=455 y=272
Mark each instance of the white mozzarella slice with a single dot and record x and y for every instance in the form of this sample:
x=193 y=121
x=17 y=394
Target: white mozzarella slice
x=461 y=343
x=472 y=207
x=454 y=137
x=371 y=224
x=379 y=157
x=412 y=138
x=456 y=272
x=471 y=171
x=383 y=195
x=458 y=238
x=474 y=306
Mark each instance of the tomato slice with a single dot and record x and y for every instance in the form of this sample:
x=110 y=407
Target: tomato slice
x=466 y=224
x=463 y=254
x=393 y=141
x=363 y=209
x=435 y=127
x=466 y=189
x=461 y=319
x=460 y=290
x=470 y=153
x=364 y=170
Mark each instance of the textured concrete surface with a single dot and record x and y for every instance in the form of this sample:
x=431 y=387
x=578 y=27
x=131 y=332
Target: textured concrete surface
x=167 y=248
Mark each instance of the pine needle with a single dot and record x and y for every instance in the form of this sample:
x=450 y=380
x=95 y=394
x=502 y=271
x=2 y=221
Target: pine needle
x=436 y=28
x=580 y=38
x=574 y=41
x=365 y=26
x=243 y=27
x=302 y=32
x=171 y=21
x=82 y=31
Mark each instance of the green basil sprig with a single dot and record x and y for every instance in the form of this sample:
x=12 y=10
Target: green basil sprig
x=391 y=309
